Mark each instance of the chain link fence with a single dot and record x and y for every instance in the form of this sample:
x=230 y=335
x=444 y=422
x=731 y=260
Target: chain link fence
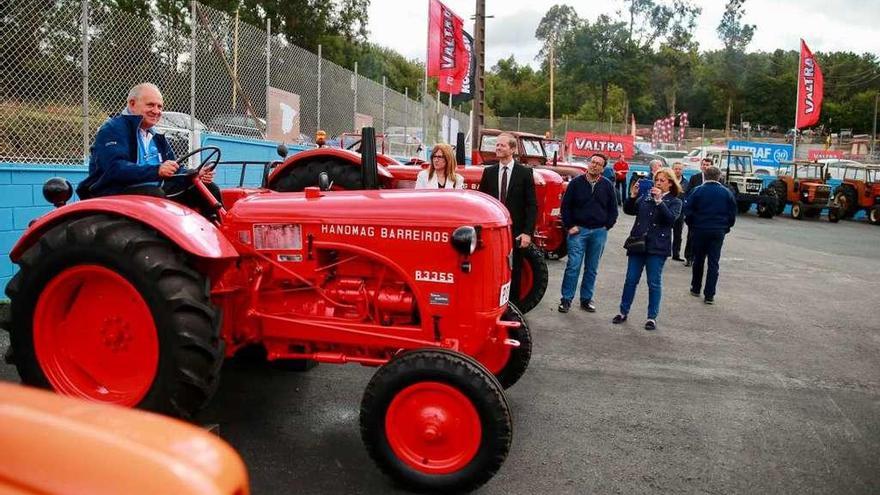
x=67 y=65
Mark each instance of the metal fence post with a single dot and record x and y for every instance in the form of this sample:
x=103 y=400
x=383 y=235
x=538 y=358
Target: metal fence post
x=405 y=118
x=355 y=96
x=85 y=72
x=268 y=62
x=384 y=89
x=319 y=90
x=192 y=78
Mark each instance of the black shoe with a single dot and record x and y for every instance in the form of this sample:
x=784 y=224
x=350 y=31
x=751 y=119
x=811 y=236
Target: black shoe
x=588 y=306
x=564 y=306
x=709 y=300
x=650 y=325
x=618 y=319
x=688 y=263
x=678 y=258
x=695 y=293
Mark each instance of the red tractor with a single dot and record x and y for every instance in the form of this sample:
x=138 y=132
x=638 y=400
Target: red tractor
x=136 y=301
x=343 y=169
x=859 y=190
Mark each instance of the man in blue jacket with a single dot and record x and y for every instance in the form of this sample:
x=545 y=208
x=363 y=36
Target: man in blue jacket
x=710 y=212
x=589 y=210
x=128 y=156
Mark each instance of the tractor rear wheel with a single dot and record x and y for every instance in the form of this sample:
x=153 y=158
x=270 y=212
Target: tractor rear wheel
x=846 y=198
x=833 y=214
x=509 y=363
x=797 y=211
x=767 y=203
x=781 y=195
x=874 y=215
x=533 y=279
x=436 y=420
x=342 y=175
x=743 y=206
x=105 y=309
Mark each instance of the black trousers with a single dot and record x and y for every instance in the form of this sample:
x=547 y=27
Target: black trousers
x=676 y=237
x=191 y=197
x=707 y=251
x=688 y=251
x=620 y=191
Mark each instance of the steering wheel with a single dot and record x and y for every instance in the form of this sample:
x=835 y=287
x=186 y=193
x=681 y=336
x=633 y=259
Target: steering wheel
x=185 y=178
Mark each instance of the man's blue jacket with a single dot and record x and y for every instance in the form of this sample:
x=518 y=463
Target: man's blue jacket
x=710 y=207
x=113 y=164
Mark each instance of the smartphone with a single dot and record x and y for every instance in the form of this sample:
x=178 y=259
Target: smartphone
x=645 y=186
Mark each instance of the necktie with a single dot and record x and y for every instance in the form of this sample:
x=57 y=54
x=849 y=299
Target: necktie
x=503 y=195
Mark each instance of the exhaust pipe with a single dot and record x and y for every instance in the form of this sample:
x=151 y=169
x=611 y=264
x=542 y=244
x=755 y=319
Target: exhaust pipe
x=459 y=148
x=369 y=166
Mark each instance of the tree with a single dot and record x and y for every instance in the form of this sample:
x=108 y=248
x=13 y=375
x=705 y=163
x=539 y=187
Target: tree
x=554 y=26
x=736 y=36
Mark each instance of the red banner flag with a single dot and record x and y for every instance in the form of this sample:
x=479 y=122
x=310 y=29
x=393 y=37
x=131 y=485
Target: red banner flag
x=448 y=56
x=810 y=86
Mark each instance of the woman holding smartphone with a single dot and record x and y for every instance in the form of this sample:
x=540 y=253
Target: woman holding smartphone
x=650 y=241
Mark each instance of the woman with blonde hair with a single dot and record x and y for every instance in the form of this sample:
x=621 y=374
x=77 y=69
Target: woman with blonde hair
x=650 y=241
x=440 y=173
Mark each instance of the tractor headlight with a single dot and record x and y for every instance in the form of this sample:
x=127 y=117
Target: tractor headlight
x=464 y=240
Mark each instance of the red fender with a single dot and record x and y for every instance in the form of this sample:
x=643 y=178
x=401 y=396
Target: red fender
x=343 y=155
x=183 y=226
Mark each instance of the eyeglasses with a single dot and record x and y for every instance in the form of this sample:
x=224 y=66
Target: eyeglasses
x=438 y=156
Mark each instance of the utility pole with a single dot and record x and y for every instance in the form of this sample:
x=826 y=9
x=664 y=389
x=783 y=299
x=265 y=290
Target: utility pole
x=874 y=131
x=480 y=53
x=552 y=63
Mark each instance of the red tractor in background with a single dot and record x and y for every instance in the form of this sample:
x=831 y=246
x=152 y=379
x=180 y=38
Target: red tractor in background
x=531 y=150
x=119 y=300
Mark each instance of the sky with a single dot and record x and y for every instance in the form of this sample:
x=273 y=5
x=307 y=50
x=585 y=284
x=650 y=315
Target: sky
x=826 y=25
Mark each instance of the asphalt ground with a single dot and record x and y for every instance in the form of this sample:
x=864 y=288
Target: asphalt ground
x=774 y=389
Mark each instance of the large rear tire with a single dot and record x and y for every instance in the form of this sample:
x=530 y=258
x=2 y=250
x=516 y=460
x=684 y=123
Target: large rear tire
x=436 y=420
x=342 y=175
x=743 y=207
x=845 y=197
x=533 y=280
x=781 y=195
x=105 y=309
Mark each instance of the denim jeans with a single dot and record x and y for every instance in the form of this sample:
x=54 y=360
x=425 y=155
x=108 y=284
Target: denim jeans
x=652 y=264
x=585 y=248
x=707 y=245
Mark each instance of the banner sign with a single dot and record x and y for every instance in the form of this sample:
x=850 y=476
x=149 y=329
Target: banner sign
x=468 y=83
x=810 y=87
x=814 y=155
x=447 y=55
x=767 y=154
x=282 y=115
x=589 y=143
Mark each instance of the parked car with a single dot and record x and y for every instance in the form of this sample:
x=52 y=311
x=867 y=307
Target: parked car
x=692 y=159
x=672 y=156
x=176 y=128
x=238 y=125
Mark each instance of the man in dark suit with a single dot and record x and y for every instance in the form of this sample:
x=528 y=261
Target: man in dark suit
x=693 y=183
x=514 y=185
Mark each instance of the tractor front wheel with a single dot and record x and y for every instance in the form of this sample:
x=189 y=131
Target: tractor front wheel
x=436 y=420
x=797 y=211
x=781 y=195
x=534 y=278
x=105 y=309
x=874 y=215
x=506 y=362
x=846 y=198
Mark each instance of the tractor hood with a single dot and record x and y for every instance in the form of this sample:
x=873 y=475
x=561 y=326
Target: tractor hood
x=393 y=207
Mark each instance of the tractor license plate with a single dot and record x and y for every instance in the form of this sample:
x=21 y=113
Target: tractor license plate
x=505 y=294
x=753 y=188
